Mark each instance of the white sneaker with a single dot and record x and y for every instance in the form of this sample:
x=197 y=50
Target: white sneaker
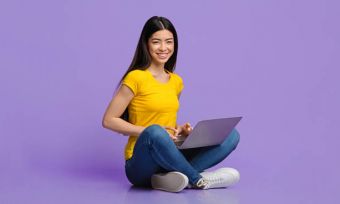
x=220 y=178
x=173 y=181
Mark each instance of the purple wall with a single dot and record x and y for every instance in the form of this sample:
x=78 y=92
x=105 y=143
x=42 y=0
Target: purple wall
x=276 y=63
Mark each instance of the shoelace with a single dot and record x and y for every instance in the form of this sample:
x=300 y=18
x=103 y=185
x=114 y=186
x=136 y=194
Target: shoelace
x=202 y=184
x=213 y=180
x=209 y=181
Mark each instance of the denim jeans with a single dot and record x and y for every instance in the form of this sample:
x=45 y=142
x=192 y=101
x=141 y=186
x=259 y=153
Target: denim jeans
x=155 y=152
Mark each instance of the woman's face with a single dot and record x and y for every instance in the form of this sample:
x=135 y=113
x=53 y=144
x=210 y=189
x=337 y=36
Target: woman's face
x=161 y=46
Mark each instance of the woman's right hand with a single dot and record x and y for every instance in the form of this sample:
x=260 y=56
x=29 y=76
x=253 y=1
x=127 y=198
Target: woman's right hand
x=173 y=135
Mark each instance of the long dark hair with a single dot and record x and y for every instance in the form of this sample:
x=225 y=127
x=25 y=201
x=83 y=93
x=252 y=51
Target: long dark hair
x=142 y=58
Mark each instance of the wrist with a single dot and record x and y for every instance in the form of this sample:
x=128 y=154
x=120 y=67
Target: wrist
x=140 y=129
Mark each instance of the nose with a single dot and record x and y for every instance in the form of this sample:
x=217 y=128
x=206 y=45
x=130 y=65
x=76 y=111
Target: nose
x=162 y=46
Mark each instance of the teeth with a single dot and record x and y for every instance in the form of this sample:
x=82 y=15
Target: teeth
x=162 y=55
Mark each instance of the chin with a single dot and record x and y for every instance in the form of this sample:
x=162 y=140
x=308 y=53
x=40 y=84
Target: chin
x=162 y=61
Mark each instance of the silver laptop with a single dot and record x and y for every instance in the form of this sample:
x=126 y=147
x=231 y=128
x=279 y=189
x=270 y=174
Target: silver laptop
x=208 y=133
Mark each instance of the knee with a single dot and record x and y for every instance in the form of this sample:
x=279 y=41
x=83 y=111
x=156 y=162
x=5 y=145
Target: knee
x=154 y=130
x=232 y=140
x=235 y=137
x=155 y=133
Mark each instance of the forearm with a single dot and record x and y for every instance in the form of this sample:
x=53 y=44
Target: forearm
x=121 y=126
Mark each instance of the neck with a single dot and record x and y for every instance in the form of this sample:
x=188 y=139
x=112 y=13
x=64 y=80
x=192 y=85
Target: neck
x=156 y=68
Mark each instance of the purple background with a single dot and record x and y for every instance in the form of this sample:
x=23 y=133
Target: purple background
x=273 y=62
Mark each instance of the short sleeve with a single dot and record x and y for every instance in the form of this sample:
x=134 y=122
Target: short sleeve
x=180 y=85
x=131 y=81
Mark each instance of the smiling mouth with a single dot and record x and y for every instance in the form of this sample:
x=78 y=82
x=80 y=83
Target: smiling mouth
x=162 y=55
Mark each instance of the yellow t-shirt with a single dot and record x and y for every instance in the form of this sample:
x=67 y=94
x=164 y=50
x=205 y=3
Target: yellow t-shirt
x=154 y=102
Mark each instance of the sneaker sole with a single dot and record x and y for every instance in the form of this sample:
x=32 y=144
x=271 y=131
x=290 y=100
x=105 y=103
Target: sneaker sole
x=171 y=182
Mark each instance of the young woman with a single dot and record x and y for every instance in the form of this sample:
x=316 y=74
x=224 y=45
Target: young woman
x=145 y=108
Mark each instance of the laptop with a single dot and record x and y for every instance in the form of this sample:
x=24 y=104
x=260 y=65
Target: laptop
x=208 y=133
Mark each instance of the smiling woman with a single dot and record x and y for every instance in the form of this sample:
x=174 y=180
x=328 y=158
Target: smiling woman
x=145 y=108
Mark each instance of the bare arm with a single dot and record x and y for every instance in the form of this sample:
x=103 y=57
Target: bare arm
x=117 y=106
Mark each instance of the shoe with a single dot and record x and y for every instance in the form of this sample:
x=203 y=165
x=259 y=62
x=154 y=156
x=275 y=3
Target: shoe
x=173 y=181
x=220 y=178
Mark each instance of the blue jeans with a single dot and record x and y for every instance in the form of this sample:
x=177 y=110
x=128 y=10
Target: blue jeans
x=155 y=152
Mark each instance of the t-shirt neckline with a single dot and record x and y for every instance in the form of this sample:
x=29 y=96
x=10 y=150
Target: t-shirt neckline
x=164 y=83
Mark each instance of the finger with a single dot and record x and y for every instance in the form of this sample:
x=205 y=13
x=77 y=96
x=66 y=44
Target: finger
x=177 y=131
x=174 y=129
x=187 y=129
x=169 y=128
x=173 y=137
x=188 y=126
x=190 y=129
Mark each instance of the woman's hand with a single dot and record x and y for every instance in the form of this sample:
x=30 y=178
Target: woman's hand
x=181 y=130
x=172 y=133
x=184 y=130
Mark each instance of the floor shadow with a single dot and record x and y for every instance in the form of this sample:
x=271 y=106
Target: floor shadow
x=224 y=195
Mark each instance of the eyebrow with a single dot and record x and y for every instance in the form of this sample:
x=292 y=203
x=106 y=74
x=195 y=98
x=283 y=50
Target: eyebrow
x=160 y=39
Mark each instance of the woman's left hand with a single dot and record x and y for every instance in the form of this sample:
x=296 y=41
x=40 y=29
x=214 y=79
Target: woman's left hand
x=183 y=130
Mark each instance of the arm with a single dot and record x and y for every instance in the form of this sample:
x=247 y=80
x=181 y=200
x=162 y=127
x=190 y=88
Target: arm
x=117 y=106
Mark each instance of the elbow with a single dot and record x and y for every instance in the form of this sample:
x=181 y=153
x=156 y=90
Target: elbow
x=105 y=123
x=109 y=123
